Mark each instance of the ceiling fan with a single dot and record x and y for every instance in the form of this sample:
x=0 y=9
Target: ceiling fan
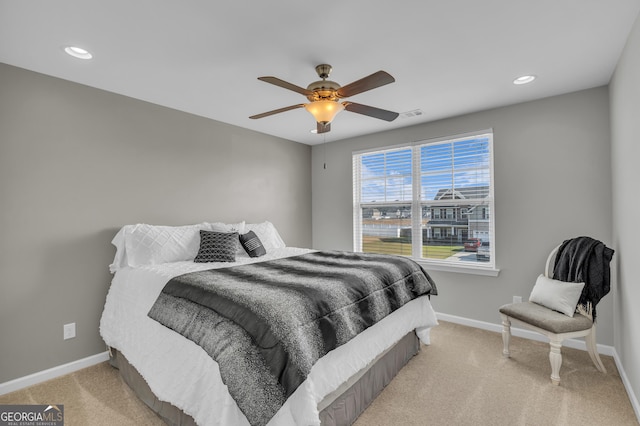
x=324 y=97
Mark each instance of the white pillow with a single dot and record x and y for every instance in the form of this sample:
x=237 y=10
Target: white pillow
x=226 y=227
x=120 y=259
x=267 y=234
x=152 y=245
x=144 y=244
x=560 y=296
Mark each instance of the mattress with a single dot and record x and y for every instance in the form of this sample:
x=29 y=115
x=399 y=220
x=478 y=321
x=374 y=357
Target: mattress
x=181 y=373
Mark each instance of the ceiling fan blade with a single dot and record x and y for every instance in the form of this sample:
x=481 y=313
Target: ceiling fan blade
x=323 y=127
x=376 y=79
x=382 y=114
x=286 y=85
x=277 y=111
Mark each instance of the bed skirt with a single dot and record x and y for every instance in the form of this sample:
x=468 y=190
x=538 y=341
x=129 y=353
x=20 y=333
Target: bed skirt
x=340 y=408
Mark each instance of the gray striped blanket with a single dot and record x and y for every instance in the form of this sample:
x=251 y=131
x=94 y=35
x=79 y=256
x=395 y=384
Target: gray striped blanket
x=267 y=323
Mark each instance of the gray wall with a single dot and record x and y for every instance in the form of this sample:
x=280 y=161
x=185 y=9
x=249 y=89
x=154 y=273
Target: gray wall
x=625 y=153
x=77 y=163
x=552 y=182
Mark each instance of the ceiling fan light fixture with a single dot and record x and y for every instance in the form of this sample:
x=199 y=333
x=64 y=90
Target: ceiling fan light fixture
x=324 y=97
x=324 y=111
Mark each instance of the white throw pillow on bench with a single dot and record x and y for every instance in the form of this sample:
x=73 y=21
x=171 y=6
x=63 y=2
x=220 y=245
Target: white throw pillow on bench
x=560 y=296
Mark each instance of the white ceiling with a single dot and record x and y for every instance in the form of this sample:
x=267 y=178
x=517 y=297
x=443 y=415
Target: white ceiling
x=203 y=56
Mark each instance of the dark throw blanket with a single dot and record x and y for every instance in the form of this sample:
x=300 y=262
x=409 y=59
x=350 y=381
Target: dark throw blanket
x=586 y=260
x=267 y=323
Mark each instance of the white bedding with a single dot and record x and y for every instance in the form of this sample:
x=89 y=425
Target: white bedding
x=180 y=372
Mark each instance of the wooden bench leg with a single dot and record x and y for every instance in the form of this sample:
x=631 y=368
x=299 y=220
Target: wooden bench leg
x=555 y=358
x=590 y=340
x=506 y=335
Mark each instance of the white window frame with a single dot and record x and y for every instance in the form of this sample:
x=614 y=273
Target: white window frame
x=478 y=268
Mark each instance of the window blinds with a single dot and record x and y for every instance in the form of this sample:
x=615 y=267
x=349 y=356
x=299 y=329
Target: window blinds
x=426 y=199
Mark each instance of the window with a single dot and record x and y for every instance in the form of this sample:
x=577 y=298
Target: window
x=430 y=200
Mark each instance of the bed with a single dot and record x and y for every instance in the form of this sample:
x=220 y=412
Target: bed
x=183 y=383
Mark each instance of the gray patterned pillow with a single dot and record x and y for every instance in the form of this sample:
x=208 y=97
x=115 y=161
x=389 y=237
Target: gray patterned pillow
x=252 y=244
x=217 y=247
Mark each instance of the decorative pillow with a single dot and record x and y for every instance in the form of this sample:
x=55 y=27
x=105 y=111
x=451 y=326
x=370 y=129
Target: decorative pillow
x=217 y=247
x=252 y=244
x=267 y=233
x=560 y=296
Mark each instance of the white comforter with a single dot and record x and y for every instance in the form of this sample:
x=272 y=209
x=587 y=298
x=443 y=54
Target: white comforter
x=180 y=372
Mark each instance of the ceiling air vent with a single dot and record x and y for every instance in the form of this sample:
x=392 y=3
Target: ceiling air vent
x=411 y=114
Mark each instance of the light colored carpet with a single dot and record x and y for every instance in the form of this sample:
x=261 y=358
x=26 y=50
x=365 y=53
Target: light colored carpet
x=94 y=396
x=460 y=379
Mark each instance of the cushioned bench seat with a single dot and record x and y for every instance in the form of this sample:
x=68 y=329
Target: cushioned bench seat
x=560 y=298
x=546 y=319
x=555 y=326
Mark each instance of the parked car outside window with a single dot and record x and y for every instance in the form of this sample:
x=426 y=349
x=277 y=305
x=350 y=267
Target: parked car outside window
x=484 y=251
x=472 y=244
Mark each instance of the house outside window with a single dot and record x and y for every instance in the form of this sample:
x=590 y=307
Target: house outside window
x=430 y=200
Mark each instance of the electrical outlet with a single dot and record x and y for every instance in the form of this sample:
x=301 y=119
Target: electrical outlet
x=517 y=299
x=69 y=331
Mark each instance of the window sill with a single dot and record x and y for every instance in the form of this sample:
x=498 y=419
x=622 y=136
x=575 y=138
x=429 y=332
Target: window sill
x=461 y=269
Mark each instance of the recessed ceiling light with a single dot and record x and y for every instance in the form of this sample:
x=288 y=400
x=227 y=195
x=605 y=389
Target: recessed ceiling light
x=78 y=52
x=524 y=79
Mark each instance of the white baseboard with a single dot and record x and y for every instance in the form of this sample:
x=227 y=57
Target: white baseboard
x=570 y=343
x=52 y=373
x=625 y=380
